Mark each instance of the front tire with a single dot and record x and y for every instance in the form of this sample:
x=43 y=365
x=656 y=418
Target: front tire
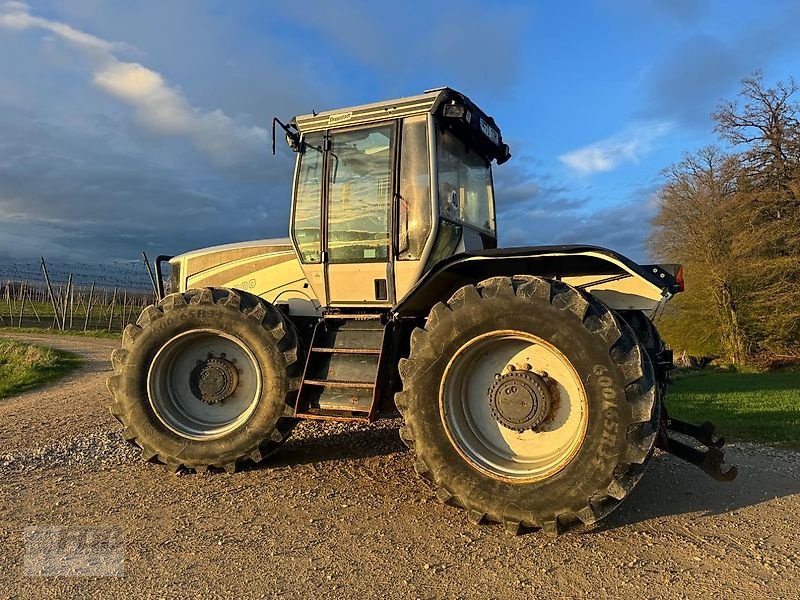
x=205 y=379
x=528 y=403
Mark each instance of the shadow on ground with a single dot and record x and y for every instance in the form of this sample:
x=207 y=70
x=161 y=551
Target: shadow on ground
x=672 y=487
x=349 y=444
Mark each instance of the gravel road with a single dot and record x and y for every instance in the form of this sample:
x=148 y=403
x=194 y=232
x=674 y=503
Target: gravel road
x=339 y=513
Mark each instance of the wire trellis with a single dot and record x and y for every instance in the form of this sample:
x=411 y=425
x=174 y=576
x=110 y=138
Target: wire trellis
x=73 y=296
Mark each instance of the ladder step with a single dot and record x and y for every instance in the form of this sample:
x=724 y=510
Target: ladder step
x=335 y=416
x=353 y=316
x=340 y=384
x=348 y=350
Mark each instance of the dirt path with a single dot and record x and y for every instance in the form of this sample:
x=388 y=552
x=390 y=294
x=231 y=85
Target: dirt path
x=339 y=513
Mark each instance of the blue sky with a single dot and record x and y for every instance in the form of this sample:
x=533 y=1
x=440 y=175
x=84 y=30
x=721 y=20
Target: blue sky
x=144 y=125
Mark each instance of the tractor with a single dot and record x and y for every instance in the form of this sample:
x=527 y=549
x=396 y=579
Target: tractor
x=531 y=381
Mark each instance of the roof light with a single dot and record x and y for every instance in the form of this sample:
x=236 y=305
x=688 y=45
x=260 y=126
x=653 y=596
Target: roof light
x=454 y=110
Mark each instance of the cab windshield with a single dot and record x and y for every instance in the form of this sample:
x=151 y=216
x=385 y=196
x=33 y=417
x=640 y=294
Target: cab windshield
x=465 y=183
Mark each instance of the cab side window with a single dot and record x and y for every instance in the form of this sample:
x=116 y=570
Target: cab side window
x=415 y=190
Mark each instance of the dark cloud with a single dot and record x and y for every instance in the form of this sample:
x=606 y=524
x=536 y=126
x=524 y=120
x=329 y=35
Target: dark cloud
x=464 y=43
x=691 y=80
x=88 y=172
x=702 y=69
x=552 y=215
x=80 y=195
x=524 y=181
x=81 y=178
x=213 y=54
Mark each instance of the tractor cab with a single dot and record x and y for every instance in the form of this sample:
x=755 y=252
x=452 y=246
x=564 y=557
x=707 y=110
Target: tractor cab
x=384 y=191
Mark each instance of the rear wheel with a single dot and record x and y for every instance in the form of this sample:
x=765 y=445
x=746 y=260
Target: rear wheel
x=205 y=379
x=528 y=403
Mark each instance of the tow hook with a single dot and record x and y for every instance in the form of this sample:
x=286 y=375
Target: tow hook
x=709 y=460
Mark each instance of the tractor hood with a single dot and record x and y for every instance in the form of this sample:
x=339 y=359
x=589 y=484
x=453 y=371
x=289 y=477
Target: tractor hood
x=220 y=265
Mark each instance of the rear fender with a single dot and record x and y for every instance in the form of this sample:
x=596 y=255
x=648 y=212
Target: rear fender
x=614 y=279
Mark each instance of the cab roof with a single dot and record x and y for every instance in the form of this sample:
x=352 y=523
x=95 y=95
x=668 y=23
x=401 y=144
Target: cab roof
x=430 y=101
x=369 y=113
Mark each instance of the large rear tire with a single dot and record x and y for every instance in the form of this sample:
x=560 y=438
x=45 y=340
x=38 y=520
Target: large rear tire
x=528 y=403
x=205 y=380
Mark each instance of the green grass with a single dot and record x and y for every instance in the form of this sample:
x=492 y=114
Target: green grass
x=99 y=312
x=96 y=333
x=756 y=407
x=26 y=366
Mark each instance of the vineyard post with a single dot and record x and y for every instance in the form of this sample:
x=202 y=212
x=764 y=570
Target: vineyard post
x=65 y=303
x=50 y=290
x=8 y=302
x=113 y=304
x=71 y=305
x=59 y=291
x=22 y=307
x=124 y=310
x=33 y=306
x=152 y=276
x=89 y=307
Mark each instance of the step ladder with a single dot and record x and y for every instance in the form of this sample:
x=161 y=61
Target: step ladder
x=342 y=368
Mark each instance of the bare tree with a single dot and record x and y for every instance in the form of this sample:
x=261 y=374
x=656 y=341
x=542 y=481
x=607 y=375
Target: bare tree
x=766 y=124
x=697 y=224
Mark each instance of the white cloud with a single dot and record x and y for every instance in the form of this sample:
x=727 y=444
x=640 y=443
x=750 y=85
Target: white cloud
x=629 y=145
x=17 y=16
x=160 y=107
x=13 y=5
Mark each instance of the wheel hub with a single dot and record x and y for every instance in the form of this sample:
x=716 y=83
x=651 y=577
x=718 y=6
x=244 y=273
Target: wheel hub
x=520 y=400
x=213 y=380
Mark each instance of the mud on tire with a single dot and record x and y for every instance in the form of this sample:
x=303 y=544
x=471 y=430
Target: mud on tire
x=622 y=404
x=251 y=323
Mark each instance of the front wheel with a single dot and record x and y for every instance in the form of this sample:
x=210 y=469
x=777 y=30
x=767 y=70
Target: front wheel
x=205 y=379
x=529 y=403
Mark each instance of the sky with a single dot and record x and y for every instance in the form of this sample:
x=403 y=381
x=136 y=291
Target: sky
x=129 y=126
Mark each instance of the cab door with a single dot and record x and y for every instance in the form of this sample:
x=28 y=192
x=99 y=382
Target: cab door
x=357 y=244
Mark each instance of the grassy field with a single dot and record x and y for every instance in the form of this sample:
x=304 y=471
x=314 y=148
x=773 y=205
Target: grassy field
x=97 y=333
x=758 y=407
x=26 y=366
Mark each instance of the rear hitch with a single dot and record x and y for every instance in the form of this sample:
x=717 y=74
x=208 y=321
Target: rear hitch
x=709 y=460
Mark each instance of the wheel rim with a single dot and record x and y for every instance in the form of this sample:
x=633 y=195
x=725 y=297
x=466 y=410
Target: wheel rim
x=487 y=368
x=203 y=384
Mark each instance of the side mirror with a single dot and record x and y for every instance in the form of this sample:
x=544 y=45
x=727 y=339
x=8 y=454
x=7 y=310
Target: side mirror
x=293 y=141
x=292 y=137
